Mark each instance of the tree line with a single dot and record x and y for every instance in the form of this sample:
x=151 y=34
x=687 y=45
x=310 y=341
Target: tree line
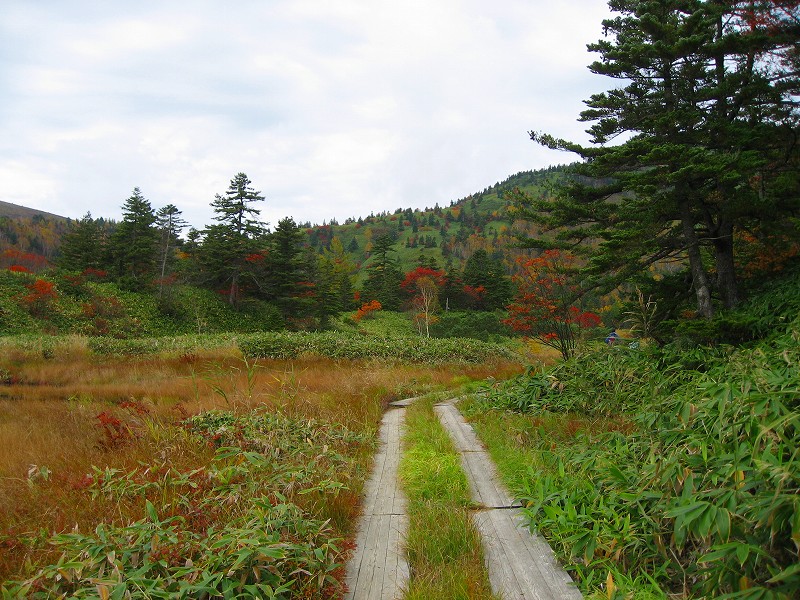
x=242 y=259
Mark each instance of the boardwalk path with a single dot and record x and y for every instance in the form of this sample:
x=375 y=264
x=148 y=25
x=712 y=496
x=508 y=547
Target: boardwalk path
x=378 y=569
x=521 y=566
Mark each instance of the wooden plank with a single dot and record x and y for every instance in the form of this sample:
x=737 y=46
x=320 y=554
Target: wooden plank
x=521 y=566
x=484 y=482
x=378 y=568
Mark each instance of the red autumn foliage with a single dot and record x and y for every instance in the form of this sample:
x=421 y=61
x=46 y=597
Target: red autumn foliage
x=93 y=273
x=543 y=307
x=115 y=433
x=409 y=284
x=476 y=294
x=367 y=309
x=42 y=294
x=12 y=257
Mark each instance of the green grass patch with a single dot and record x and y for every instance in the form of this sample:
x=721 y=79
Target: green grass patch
x=444 y=547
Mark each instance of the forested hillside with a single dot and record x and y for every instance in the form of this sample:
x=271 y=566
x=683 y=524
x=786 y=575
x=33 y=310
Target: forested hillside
x=305 y=273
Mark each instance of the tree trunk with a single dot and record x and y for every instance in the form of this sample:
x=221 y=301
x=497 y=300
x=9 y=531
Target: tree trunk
x=233 y=297
x=699 y=277
x=726 y=270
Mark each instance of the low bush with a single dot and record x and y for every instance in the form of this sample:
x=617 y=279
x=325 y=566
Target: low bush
x=684 y=479
x=244 y=525
x=479 y=325
x=337 y=345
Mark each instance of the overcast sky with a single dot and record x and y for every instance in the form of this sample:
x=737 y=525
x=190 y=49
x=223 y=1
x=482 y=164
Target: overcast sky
x=334 y=108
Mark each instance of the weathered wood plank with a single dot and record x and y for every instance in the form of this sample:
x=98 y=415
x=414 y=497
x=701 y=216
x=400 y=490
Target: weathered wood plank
x=378 y=568
x=484 y=482
x=521 y=565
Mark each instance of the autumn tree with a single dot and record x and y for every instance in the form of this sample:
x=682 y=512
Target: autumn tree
x=425 y=303
x=545 y=305
x=423 y=285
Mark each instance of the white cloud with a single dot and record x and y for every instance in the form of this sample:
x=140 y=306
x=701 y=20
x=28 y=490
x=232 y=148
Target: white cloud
x=334 y=109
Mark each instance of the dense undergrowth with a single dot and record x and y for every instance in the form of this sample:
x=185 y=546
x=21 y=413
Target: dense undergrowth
x=70 y=303
x=246 y=524
x=661 y=471
x=339 y=345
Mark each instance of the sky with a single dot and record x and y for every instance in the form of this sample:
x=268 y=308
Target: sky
x=333 y=108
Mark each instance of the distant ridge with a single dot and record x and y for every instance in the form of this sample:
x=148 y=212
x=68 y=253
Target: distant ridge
x=15 y=211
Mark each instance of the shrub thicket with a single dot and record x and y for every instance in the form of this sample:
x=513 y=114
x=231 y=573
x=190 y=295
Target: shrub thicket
x=674 y=466
x=338 y=345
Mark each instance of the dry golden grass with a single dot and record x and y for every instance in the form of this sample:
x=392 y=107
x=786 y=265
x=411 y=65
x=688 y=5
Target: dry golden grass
x=51 y=433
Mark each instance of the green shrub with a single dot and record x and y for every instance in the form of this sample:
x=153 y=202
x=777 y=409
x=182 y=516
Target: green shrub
x=479 y=325
x=338 y=345
x=690 y=480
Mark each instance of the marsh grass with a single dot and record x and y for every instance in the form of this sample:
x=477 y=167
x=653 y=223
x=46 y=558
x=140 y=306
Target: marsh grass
x=443 y=545
x=70 y=420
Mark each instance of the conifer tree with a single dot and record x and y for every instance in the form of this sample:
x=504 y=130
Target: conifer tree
x=708 y=105
x=133 y=244
x=82 y=247
x=285 y=266
x=481 y=272
x=384 y=276
x=170 y=224
x=236 y=237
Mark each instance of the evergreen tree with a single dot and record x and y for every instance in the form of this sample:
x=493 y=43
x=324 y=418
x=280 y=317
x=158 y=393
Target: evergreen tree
x=133 y=244
x=709 y=106
x=452 y=288
x=286 y=266
x=341 y=267
x=384 y=276
x=236 y=238
x=482 y=271
x=170 y=224
x=82 y=247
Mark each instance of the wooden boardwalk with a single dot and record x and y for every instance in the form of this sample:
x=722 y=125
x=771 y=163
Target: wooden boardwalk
x=378 y=569
x=521 y=566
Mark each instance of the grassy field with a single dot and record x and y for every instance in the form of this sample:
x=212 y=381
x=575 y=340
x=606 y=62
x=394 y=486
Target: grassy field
x=189 y=472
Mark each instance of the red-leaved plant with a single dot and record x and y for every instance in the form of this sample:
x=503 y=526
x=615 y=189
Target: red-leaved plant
x=544 y=307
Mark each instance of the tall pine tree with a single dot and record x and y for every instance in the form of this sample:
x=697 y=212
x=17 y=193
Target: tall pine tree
x=708 y=112
x=133 y=245
x=236 y=237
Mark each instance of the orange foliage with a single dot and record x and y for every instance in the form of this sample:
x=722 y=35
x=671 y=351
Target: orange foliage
x=366 y=310
x=543 y=307
x=42 y=293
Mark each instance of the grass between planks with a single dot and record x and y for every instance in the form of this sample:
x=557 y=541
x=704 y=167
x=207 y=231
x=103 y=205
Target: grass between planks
x=444 y=547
